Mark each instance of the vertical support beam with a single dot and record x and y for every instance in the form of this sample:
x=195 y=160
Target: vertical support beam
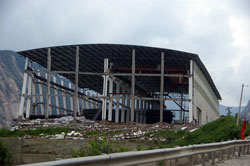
x=105 y=88
x=129 y=108
x=133 y=87
x=75 y=101
x=87 y=101
x=110 y=99
x=141 y=111
x=29 y=97
x=71 y=99
x=191 y=91
x=25 y=77
x=162 y=87
x=137 y=110
x=123 y=103
x=50 y=108
x=64 y=100
x=48 y=83
x=40 y=86
x=145 y=112
x=83 y=102
x=34 y=101
x=117 y=109
x=56 y=97
x=91 y=103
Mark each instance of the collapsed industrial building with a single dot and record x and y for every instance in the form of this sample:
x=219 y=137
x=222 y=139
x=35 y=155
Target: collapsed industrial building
x=118 y=83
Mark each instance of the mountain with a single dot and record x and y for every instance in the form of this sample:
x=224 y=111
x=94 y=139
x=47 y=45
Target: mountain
x=246 y=111
x=11 y=79
x=233 y=110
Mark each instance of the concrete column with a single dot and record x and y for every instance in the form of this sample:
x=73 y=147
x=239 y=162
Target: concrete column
x=117 y=110
x=92 y=103
x=123 y=103
x=133 y=88
x=75 y=101
x=105 y=88
x=40 y=86
x=29 y=97
x=110 y=99
x=191 y=91
x=34 y=101
x=71 y=98
x=162 y=87
x=141 y=111
x=25 y=77
x=64 y=100
x=56 y=97
x=129 y=108
x=50 y=108
x=83 y=101
x=88 y=106
x=137 y=110
x=48 y=83
x=145 y=112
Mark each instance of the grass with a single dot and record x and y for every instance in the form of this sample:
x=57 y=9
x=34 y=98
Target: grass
x=34 y=132
x=97 y=147
x=222 y=129
x=5 y=155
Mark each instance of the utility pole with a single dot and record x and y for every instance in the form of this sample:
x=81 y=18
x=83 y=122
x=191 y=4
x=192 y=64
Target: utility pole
x=229 y=110
x=238 y=118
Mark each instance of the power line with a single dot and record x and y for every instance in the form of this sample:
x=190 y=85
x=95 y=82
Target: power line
x=231 y=90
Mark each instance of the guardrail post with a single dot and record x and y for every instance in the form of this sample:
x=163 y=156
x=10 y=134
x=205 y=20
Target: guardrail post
x=234 y=151
x=213 y=158
x=176 y=162
x=203 y=159
x=239 y=149
x=222 y=155
x=228 y=153
x=191 y=161
x=247 y=149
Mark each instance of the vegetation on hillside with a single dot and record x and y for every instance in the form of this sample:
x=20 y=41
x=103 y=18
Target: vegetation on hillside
x=222 y=129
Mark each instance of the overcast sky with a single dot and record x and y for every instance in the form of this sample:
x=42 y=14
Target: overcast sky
x=217 y=30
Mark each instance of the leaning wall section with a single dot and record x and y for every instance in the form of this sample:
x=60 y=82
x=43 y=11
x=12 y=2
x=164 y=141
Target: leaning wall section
x=204 y=98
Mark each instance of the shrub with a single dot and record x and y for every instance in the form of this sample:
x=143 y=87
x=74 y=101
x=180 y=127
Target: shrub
x=5 y=155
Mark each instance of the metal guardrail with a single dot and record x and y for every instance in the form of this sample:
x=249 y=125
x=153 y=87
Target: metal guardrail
x=228 y=148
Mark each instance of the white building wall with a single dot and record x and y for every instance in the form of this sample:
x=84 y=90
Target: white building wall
x=204 y=99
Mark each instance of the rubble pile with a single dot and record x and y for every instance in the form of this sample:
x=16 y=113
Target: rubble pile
x=87 y=129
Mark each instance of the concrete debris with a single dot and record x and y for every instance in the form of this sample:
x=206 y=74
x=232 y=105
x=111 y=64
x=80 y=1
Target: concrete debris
x=58 y=136
x=14 y=128
x=183 y=128
x=103 y=130
x=193 y=130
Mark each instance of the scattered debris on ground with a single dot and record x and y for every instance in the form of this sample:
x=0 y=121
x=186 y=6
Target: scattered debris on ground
x=87 y=129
